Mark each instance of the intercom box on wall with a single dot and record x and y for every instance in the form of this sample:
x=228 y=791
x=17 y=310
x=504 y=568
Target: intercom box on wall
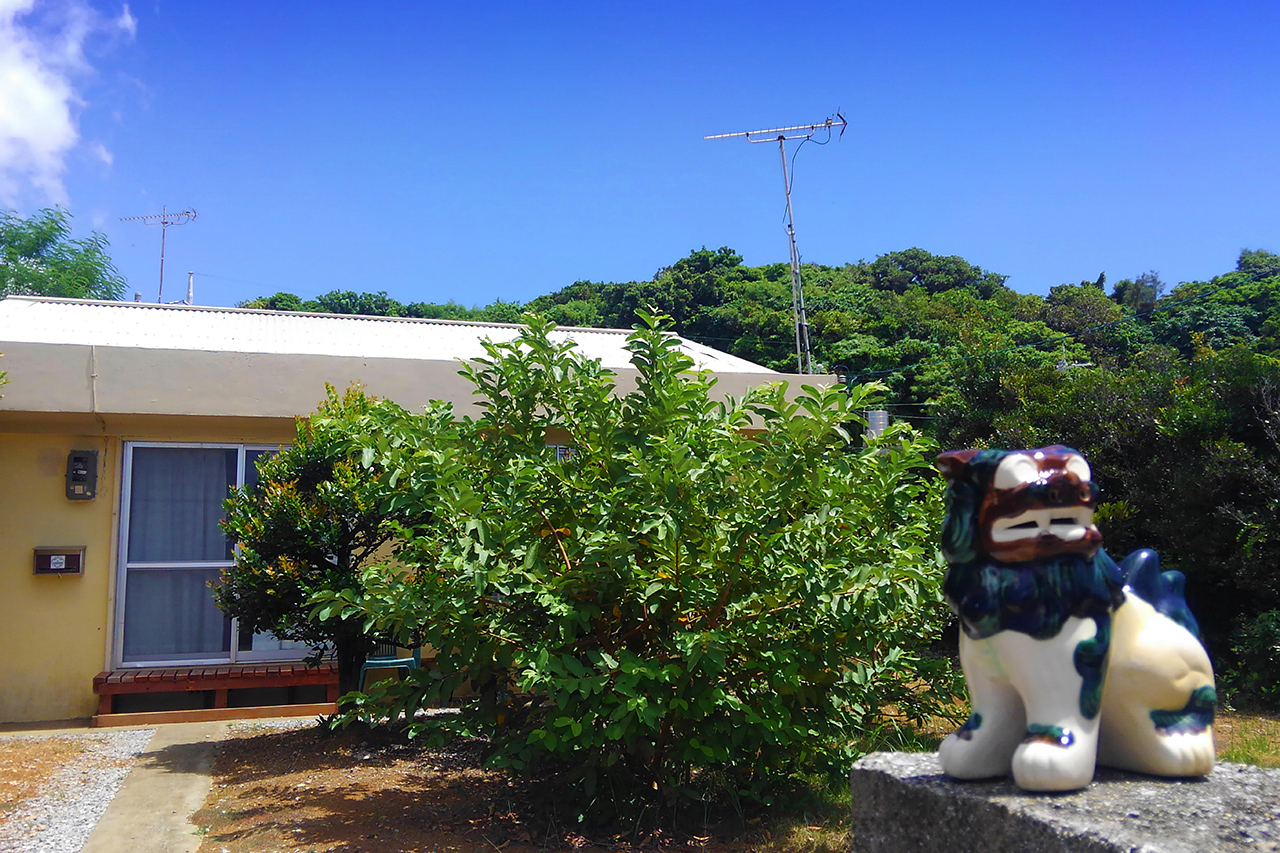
x=82 y=475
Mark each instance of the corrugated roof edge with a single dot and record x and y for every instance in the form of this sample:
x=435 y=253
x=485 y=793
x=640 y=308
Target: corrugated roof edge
x=321 y=314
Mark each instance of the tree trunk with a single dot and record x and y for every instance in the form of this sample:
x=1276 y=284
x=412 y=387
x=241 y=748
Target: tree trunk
x=351 y=653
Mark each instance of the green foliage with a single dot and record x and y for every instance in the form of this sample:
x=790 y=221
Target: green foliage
x=899 y=271
x=1213 y=324
x=1258 y=262
x=1187 y=459
x=1085 y=313
x=1243 y=305
x=38 y=256
x=314 y=518
x=381 y=305
x=279 y=301
x=1254 y=671
x=1173 y=398
x=349 y=302
x=681 y=603
x=1141 y=294
x=495 y=312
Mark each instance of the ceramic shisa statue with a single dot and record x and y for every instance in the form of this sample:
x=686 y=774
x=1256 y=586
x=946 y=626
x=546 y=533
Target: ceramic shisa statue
x=1069 y=659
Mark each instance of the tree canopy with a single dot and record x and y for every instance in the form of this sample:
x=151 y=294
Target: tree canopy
x=311 y=520
x=38 y=256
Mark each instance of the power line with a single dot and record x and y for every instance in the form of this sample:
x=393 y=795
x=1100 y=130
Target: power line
x=237 y=280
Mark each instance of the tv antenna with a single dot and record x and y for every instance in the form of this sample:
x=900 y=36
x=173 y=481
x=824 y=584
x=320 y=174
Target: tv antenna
x=1063 y=365
x=781 y=135
x=164 y=220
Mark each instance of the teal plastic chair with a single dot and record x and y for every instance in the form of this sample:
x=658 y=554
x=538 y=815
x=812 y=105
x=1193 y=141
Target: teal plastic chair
x=386 y=656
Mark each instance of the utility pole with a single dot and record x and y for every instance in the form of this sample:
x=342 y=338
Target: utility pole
x=804 y=353
x=164 y=220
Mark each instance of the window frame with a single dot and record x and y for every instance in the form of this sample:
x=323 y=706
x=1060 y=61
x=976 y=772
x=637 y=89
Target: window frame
x=233 y=655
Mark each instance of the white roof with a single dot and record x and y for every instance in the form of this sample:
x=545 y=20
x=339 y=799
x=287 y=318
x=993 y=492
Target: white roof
x=46 y=320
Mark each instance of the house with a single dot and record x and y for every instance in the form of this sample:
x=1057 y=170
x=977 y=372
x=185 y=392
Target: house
x=122 y=427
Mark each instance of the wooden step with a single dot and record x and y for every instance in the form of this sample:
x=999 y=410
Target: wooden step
x=202 y=715
x=220 y=680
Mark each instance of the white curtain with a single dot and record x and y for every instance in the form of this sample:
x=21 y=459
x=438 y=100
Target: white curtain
x=170 y=615
x=175 y=503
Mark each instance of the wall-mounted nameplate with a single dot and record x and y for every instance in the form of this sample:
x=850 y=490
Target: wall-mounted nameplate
x=59 y=561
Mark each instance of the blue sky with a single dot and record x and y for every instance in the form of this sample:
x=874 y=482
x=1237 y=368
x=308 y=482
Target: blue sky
x=482 y=151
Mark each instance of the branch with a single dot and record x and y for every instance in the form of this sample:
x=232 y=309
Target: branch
x=568 y=566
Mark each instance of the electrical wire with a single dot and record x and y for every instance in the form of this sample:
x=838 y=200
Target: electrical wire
x=227 y=278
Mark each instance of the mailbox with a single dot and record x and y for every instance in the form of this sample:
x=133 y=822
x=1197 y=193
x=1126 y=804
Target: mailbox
x=59 y=561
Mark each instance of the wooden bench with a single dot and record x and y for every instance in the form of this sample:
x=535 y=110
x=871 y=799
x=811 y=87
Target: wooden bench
x=219 y=680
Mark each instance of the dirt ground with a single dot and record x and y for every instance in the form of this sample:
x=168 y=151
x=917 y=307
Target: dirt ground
x=304 y=789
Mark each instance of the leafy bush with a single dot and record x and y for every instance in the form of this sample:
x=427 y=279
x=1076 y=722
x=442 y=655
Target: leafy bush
x=312 y=521
x=700 y=594
x=1255 y=667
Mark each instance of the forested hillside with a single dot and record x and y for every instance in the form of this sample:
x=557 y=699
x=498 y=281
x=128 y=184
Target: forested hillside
x=1172 y=393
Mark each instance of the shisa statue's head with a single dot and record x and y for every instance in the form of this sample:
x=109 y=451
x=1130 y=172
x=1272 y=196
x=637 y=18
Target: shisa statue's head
x=1018 y=506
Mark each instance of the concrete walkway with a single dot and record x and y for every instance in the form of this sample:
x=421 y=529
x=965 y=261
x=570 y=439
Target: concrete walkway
x=152 y=810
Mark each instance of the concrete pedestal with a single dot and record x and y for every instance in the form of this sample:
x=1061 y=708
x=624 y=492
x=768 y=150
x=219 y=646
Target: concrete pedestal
x=902 y=804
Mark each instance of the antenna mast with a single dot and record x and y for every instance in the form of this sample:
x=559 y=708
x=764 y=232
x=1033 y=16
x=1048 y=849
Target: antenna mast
x=164 y=220
x=804 y=353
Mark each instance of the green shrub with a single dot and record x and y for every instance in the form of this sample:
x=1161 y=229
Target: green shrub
x=700 y=594
x=315 y=517
x=1254 y=671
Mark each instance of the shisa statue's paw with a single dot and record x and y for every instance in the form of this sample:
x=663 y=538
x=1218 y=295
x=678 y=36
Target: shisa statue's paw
x=981 y=748
x=1183 y=742
x=1184 y=754
x=1162 y=743
x=1053 y=758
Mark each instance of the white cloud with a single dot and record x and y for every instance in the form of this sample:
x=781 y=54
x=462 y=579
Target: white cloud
x=127 y=22
x=41 y=58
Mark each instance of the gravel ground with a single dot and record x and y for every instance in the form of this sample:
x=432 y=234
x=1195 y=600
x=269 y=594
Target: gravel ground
x=251 y=727
x=60 y=821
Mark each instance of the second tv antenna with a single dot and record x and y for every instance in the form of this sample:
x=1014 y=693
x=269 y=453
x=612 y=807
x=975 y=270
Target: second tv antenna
x=804 y=353
x=164 y=220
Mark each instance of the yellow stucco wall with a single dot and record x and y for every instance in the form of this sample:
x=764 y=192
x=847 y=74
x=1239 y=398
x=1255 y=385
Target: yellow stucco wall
x=55 y=631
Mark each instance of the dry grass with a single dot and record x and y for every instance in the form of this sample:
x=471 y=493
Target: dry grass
x=1248 y=737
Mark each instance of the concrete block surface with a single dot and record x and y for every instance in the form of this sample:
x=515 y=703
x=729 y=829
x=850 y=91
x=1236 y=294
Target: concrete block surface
x=902 y=803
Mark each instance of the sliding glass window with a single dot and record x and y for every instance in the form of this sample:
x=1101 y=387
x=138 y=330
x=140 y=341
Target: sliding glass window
x=173 y=550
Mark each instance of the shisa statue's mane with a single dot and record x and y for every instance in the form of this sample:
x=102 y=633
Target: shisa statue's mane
x=1033 y=598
